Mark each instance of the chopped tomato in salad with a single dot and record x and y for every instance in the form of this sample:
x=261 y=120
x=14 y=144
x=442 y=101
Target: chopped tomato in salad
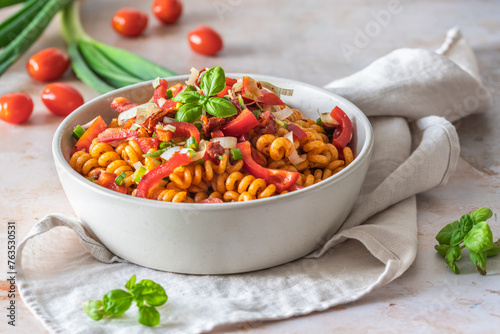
x=214 y=139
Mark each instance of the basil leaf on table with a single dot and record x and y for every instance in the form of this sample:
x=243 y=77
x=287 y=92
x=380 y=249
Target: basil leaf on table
x=444 y=236
x=481 y=215
x=148 y=316
x=479 y=260
x=116 y=302
x=153 y=293
x=453 y=254
x=479 y=238
x=94 y=309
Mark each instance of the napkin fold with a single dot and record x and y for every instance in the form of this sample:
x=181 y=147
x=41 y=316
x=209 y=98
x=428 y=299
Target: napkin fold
x=410 y=95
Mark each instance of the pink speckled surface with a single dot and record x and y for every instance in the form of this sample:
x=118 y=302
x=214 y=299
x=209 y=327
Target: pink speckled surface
x=299 y=40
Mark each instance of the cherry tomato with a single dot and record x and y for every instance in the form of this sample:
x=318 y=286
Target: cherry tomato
x=205 y=40
x=61 y=99
x=167 y=11
x=15 y=108
x=129 y=22
x=48 y=64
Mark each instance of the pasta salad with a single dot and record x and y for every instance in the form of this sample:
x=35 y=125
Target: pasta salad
x=213 y=139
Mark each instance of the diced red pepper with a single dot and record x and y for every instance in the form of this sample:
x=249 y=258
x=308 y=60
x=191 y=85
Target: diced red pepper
x=116 y=134
x=97 y=126
x=270 y=98
x=156 y=174
x=211 y=200
x=160 y=96
x=298 y=132
x=129 y=123
x=243 y=123
x=147 y=143
x=182 y=129
x=343 y=133
x=107 y=180
x=121 y=104
x=282 y=179
x=230 y=81
x=224 y=91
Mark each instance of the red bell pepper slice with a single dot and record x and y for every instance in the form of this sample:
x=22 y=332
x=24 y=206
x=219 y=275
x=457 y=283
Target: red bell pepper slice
x=343 y=133
x=175 y=89
x=211 y=200
x=217 y=134
x=147 y=143
x=298 y=132
x=282 y=179
x=243 y=123
x=182 y=129
x=97 y=126
x=160 y=96
x=116 y=134
x=121 y=104
x=230 y=81
x=107 y=180
x=249 y=89
x=156 y=174
x=224 y=91
x=129 y=123
x=270 y=98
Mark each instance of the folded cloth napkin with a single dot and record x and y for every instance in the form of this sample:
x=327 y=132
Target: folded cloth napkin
x=411 y=95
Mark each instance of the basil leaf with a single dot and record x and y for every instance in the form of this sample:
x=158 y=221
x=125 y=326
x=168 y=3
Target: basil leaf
x=444 y=236
x=442 y=249
x=94 y=309
x=479 y=238
x=219 y=107
x=116 y=302
x=481 y=215
x=187 y=97
x=153 y=293
x=148 y=316
x=189 y=112
x=213 y=81
x=130 y=284
x=495 y=250
x=456 y=238
x=466 y=223
x=453 y=254
x=479 y=260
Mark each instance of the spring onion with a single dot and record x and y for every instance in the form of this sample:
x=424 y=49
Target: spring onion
x=138 y=174
x=191 y=143
x=78 y=132
x=119 y=179
x=282 y=124
x=154 y=154
x=236 y=154
x=101 y=66
x=38 y=14
x=242 y=103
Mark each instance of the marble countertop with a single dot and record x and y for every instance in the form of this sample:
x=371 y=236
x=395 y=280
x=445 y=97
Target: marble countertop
x=301 y=40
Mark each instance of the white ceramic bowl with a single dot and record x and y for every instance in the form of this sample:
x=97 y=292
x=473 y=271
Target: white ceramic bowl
x=216 y=238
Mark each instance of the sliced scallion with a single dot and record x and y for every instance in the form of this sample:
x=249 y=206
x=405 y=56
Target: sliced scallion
x=191 y=143
x=236 y=154
x=156 y=83
x=242 y=103
x=154 y=154
x=78 y=132
x=169 y=94
x=119 y=179
x=138 y=174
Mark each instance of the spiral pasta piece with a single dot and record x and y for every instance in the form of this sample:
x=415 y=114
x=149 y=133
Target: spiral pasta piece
x=280 y=147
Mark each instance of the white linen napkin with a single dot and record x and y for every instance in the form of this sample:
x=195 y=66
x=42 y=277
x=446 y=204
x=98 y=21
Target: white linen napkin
x=411 y=95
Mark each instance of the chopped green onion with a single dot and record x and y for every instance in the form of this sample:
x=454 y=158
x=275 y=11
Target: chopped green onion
x=156 y=83
x=135 y=126
x=138 y=174
x=169 y=127
x=154 y=154
x=236 y=154
x=154 y=134
x=191 y=143
x=242 y=103
x=220 y=157
x=119 y=179
x=78 y=132
x=169 y=94
x=282 y=124
x=91 y=178
x=257 y=113
x=166 y=144
x=191 y=153
x=319 y=121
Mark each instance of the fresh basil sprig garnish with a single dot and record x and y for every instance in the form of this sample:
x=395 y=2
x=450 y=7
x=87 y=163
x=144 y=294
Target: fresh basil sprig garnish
x=212 y=83
x=146 y=294
x=475 y=234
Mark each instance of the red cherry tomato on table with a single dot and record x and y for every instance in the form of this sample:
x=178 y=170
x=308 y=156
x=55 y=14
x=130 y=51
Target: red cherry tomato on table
x=15 y=108
x=129 y=22
x=61 y=99
x=167 y=11
x=205 y=40
x=48 y=64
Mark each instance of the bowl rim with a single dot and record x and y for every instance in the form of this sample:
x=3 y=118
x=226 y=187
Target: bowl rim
x=362 y=156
